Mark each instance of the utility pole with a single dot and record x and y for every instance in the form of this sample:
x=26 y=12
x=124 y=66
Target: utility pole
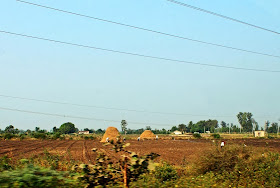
x=278 y=127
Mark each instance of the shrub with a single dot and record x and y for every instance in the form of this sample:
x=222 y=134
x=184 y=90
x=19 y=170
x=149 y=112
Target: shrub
x=8 y=136
x=56 y=136
x=5 y=163
x=39 y=135
x=165 y=172
x=270 y=137
x=216 y=135
x=222 y=160
x=31 y=176
x=22 y=136
x=196 y=135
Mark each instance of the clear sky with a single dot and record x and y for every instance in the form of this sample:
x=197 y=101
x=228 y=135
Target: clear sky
x=43 y=70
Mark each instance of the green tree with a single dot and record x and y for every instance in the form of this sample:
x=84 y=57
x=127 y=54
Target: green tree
x=267 y=124
x=55 y=130
x=174 y=128
x=67 y=128
x=189 y=127
x=273 y=128
x=223 y=124
x=10 y=129
x=182 y=127
x=124 y=126
x=245 y=121
x=211 y=125
x=37 y=129
x=148 y=128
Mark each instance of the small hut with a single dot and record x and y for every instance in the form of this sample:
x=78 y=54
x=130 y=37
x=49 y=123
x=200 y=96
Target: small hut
x=147 y=134
x=177 y=132
x=112 y=133
x=259 y=133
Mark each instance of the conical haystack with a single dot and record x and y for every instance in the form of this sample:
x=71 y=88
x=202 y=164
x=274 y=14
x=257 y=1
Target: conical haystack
x=112 y=133
x=147 y=134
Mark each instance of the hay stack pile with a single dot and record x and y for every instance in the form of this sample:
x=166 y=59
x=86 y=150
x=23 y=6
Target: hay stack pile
x=147 y=134
x=112 y=133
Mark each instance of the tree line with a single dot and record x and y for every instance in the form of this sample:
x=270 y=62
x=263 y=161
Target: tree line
x=245 y=119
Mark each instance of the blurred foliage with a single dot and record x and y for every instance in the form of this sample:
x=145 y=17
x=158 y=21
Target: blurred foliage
x=105 y=172
x=31 y=176
x=196 y=135
x=165 y=172
x=216 y=135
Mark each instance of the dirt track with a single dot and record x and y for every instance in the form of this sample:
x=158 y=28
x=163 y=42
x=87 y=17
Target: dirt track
x=173 y=151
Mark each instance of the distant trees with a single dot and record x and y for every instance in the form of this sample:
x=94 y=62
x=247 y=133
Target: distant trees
x=67 y=128
x=124 y=126
x=148 y=128
x=245 y=121
x=182 y=128
x=54 y=130
x=174 y=128
x=209 y=125
x=100 y=131
x=89 y=130
x=10 y=129
x=273 y=128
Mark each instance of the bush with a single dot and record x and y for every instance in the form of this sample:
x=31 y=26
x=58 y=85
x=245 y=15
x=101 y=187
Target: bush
x=39 y=135
x=5 y=163
x=196 y=135
x=22 y=136
x=8 y=136
x=165 y=172
x=56 y=136
x=216 y=135
x=219 y=161
x=31 y=176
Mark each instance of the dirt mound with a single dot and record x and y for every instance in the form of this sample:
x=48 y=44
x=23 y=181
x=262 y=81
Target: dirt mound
x=112 y=133
x=147 y=134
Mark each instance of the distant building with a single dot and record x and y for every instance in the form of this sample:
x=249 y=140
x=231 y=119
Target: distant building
x=83 y=132
x=177 y=132
x=259 y=133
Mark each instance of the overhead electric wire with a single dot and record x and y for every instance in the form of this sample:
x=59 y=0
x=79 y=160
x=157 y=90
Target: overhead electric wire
x=121 y=109
x=141 y=55
x=150 y=30
x=222 y=16
x=108 y=108
x=76 y=117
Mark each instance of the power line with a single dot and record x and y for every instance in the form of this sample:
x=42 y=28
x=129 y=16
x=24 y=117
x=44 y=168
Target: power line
x=76 y=117
x=107 y=108
x=140 y=55
x=122 y=109
x=222 y=16
x=150 y=30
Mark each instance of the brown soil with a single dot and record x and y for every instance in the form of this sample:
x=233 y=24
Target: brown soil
x=112 y=133
x=173 y=151
x=147 y=134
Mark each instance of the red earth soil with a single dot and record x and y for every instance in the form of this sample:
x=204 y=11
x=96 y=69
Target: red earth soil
x=173 y=151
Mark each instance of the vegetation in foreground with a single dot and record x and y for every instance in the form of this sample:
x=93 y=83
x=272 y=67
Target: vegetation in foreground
x=232 y=166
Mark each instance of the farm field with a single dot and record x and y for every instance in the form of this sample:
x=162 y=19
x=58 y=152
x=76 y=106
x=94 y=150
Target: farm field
x=173 y=151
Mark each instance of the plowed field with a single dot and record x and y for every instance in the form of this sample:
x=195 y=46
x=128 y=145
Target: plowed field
x=173 y=151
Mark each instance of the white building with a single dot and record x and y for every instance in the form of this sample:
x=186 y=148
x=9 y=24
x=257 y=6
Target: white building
x=177 y=132
x=83 y=132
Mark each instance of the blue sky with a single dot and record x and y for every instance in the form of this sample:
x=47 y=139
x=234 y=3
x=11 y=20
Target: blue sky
x=43 y=70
